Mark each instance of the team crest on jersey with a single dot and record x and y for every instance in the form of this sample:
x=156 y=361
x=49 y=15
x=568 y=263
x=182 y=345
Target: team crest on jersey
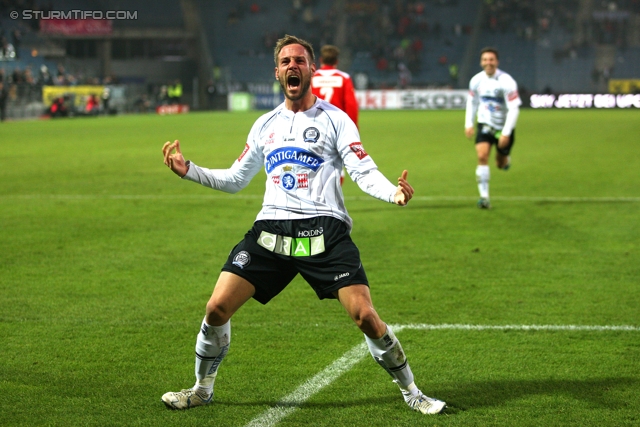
x=311 y=135
x=242 y=259
x=357 y=148
x=289 y=181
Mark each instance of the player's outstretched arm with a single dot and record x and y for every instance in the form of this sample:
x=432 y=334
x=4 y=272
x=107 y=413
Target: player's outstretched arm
x=404 y=193
x=174 y=161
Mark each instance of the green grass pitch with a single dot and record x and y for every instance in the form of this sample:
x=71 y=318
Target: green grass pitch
x=107 y=260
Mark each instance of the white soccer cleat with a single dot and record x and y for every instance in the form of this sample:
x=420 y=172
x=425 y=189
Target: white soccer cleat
x=185 y=399
x=422 y=403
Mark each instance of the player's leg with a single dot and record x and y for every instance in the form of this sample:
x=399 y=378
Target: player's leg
x=385 y=347
x=212 y=344
x=483 y=175
x=503 y=151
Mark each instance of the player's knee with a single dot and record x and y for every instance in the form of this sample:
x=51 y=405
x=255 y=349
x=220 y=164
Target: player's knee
x=216 y=313
x=366 y=318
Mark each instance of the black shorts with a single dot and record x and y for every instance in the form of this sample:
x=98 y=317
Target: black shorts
x=486 y=133
x=274 y=252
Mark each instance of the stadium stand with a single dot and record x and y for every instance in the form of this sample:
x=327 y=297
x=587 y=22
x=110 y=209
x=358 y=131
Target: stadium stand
x=547 y=45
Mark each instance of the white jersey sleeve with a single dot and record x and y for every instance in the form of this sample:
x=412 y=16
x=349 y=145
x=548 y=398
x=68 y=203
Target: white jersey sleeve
x=472 y=103
x=237 y=176
x=512 y=101
x=361 y=167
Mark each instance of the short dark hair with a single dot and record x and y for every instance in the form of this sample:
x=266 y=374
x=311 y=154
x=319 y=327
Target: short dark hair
x=287 y=40
x=490 y=50
x=329 y=54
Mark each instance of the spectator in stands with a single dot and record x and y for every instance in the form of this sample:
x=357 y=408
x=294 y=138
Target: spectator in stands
x=211 y=94
x=45 y=76
x=404 y=76
x=92 y=107
x=163 y=95
x=3 y=101
x=175 y=92
x=106 y=97
x=60 y=107
x=335 y=86
x=16 y=39
x=453 y=74
x=493 y=95
x=7 y=51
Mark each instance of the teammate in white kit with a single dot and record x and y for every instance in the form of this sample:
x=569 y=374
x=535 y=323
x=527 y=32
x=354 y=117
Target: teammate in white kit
x=493 y=95
x=303 y=227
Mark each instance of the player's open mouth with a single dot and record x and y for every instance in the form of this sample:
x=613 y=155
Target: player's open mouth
x=293 y=81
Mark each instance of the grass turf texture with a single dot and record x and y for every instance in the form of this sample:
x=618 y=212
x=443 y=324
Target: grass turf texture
x=107 y=260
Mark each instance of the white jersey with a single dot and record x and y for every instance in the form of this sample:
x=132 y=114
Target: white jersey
x=303 y=154
x=493 y=98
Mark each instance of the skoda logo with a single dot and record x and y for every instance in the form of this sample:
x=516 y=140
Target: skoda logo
x=311 y=135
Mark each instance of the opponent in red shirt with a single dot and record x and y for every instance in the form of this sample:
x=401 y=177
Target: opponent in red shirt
x=333 y=85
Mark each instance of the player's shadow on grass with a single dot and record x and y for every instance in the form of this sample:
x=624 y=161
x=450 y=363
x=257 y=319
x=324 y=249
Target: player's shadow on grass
x=380 y=400
x=466 y=396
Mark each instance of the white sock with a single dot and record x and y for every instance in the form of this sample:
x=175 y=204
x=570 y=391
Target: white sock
x=388 y=352
x=212 y=346
x=482 y=178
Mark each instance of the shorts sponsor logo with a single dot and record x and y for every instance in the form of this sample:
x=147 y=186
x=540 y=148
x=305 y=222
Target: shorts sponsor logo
x=341 y=276
x=357 y=148
x=310 y=233
x=242 y=259
x=292 y=155
x=291 y=246
x=311 y=135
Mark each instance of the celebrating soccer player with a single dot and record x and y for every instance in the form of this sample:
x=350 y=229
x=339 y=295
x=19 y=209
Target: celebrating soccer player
x=493 y=95
x=303 y=226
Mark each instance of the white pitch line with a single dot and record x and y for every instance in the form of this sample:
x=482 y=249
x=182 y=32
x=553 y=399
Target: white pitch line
x=596 y=328
x=291 y=402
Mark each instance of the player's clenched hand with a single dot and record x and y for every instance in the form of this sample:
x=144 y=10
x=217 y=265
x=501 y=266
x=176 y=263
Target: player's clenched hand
x=468 y=132
x=174 y=160
x=404 y=193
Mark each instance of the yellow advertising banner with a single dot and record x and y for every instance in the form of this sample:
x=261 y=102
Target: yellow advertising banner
x=624 y=86
x=50 y=93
